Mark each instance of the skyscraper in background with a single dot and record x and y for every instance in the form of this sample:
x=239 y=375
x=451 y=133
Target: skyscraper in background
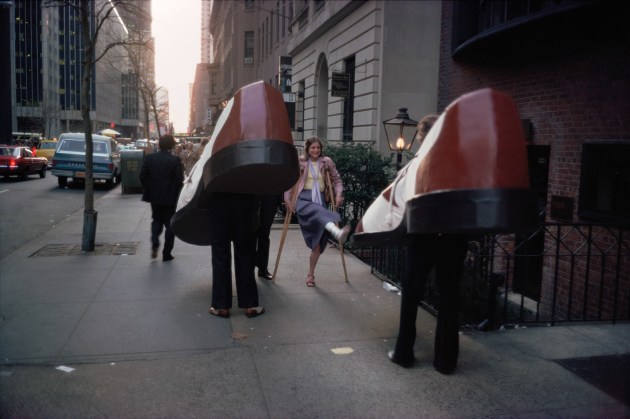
x=46 y=70
x=206 y=36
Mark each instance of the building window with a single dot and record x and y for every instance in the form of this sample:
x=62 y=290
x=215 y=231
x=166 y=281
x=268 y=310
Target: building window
x=348 y=102
x=266 y=35
x=290 y=16
x=249 y=47
x=605 y=182
x=301 y=13
x=283 y=17
x=278 y=17
x=269 y=32
x=271 y=29
x=249 y=4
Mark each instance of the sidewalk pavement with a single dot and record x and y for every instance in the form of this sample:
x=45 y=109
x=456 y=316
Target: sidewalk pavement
x=138 y=337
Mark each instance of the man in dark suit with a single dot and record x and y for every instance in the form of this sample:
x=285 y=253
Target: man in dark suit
x=162 y=176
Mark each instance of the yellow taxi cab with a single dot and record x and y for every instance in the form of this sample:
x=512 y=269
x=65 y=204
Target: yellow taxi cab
x=46 y=148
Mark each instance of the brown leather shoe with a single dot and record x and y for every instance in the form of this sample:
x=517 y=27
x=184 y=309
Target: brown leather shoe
x=254 y=311
x=221 y=312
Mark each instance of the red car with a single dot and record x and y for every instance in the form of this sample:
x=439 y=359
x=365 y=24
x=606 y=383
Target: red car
x=20 y=161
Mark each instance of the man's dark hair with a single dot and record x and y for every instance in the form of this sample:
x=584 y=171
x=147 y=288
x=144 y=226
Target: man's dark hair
x=167 y=142
x=425 y=124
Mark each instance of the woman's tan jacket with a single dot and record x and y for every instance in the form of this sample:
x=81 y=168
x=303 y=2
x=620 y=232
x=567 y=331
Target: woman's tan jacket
x=326 y=166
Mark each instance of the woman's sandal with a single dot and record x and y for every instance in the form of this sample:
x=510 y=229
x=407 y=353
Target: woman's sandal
x=254 y=311
x=310 y=280
x=221 y=312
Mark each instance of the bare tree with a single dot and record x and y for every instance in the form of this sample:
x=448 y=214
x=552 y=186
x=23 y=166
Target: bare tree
x=98 y=20
x=50 y=118
x=162 y=113
x=150 y=92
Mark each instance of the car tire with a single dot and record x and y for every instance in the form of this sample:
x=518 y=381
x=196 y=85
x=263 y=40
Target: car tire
x=62 y=181
x=42 y=172
x=109 y=183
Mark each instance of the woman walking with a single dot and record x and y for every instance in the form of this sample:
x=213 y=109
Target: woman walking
x=306 y=199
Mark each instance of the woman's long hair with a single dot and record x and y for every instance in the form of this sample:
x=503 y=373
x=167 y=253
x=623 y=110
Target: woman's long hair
x=309 y=143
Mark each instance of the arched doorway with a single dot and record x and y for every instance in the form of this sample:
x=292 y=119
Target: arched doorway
x=321 y=83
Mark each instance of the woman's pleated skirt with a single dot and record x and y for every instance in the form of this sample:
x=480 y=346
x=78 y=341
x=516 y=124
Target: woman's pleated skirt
x=313 y=219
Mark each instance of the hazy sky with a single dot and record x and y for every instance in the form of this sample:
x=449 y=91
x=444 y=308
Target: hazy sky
x=176 y=28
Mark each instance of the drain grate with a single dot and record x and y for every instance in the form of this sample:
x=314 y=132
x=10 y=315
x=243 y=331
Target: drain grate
x=104 y=249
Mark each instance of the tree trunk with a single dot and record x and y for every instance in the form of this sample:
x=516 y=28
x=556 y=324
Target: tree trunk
x=155 y=115
x=89 y=221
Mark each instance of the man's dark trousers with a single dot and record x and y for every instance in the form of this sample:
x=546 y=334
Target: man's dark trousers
x=233 y=218
x=446 y=253
x=161 y=215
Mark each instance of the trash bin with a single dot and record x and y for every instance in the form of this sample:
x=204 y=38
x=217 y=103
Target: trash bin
x=131 y=162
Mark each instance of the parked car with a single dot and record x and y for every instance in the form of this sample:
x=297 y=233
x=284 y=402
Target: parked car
x=69 y=159
x=20 y=161
x=149 y=146
x=46 y=148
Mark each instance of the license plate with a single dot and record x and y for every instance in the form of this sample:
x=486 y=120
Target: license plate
x=79 y=174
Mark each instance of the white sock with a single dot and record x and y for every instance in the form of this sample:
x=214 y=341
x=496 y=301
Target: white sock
x=333 y=229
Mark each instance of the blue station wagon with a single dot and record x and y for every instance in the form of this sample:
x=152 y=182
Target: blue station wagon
x=69 y=159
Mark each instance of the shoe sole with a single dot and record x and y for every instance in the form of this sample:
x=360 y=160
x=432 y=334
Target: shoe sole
x=466 y=211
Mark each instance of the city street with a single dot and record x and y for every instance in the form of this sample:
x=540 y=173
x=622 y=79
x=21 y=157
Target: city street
x=32 y=207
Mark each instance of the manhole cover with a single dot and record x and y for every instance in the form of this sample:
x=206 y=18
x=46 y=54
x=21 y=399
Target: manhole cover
x=104 y=249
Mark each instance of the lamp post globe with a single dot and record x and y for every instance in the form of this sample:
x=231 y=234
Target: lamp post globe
x=400 y=132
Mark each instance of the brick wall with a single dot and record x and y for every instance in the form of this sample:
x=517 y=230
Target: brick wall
x=574 y=88
x=571 y=93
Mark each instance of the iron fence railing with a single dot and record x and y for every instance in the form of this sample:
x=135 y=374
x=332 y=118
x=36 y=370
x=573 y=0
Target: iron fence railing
x=559 y=273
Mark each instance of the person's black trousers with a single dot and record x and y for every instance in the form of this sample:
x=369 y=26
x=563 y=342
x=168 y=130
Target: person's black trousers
x=446 y=253
x=268 y=208
x=233 y=218
x=161 y=219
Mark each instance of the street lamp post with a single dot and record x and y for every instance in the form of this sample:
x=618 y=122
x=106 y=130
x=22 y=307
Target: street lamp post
x=400 y=132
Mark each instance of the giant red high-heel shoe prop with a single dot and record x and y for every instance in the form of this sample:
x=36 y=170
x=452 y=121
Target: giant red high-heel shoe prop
x=469 y=177
x=251 y=151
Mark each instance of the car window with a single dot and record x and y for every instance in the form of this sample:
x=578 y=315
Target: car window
x=74 y=145
x=27 y=152
x=101 y=147
x=6 y=151
x=48 y=145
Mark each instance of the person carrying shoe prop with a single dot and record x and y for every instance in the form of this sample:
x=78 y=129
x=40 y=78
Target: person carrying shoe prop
x=306 y=199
